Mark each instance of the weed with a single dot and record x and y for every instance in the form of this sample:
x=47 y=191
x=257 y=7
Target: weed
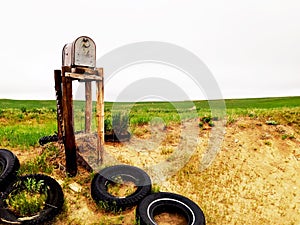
x=211 y=124
x=106 y=206
x=20 y=116
x=121 y=188
x=28 y=200
x=289 y=136
x=167 y=150
x=206 y=119
x=41 y=162
x=242 y=125
x=140 y=131
x=231 y=119
x=108 y=125
x=120 y=123
x=137 y=222
x=155 y=188
x=23 y=109
x=271 y=122
x=268 y=143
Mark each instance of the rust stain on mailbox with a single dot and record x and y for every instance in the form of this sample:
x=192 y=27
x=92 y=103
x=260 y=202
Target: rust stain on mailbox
x=81 y=52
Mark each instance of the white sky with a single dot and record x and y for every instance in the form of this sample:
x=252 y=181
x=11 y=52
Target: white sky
x=252 y=47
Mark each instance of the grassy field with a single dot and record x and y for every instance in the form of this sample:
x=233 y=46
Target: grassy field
x=224 y=190
x=23 y=122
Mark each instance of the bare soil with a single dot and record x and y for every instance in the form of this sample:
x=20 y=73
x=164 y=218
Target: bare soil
x=254 y=179
x=170 y=219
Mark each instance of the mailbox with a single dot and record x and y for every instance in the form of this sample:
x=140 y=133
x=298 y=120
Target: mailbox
x=81 y=52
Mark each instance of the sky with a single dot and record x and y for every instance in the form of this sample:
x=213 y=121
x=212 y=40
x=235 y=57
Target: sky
x=251 y=47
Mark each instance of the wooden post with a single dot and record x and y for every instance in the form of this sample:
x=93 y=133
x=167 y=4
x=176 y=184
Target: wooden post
x=100 y=103
x=69 y=140
x=88 y=106
x=100 y=115
x=59 y=106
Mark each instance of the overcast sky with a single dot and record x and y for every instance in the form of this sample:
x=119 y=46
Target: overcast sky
x=252 y=47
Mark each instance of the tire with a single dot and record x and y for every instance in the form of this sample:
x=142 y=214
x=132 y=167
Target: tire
x=9 y=165
x=117 y=137
x=107 y=176
x=46 y=139
x=157 y=203
x=52 y=207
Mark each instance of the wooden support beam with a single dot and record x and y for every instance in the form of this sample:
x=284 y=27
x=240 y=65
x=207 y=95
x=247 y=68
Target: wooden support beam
x=100 y=103
x=59 y=106
x=88 y=107
x=100 y=115
x=85 y=70
x=83 y=77
x=69 y=140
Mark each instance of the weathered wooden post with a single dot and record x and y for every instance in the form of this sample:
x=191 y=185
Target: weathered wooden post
x=58 y=91
x=78 y=63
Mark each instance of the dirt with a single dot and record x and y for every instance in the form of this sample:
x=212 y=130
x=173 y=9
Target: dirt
x=170 y=219
x=254 y=179
x=121 y=190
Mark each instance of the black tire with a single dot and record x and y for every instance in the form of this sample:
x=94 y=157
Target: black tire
x=46 y=139
x=157 y=203
x=99 y=186
x=117 y=137
x=9 y=165
x=52 y=207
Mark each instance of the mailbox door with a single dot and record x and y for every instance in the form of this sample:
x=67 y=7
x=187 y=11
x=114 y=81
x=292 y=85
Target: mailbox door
x=84 y=52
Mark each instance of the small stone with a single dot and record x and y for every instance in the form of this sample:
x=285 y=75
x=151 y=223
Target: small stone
x=75 y=187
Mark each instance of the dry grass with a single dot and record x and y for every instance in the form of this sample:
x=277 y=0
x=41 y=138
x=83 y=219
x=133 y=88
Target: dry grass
x=255 y=178
x=250 y=182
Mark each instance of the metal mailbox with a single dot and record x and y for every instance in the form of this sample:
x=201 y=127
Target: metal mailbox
x=81 y=52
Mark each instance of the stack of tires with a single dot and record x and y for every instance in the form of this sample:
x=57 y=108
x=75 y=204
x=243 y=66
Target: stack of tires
x=149 y=205
x=11 y=183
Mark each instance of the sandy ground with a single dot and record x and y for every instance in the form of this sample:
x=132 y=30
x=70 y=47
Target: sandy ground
x=254 y=178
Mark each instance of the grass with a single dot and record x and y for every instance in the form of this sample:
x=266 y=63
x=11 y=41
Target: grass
x=41 y=163
x=121 y=188
x=23 y=122
x=20 y=127
x=28 y=200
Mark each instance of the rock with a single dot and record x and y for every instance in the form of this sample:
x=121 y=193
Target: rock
x=75 y=187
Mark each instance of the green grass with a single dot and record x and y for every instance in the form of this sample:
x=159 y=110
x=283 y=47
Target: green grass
x=27 y=104
x=40 y=163
x=27 y=201
x=263 y=103
x=20 y=127
x=266 y=103
x=23 y=122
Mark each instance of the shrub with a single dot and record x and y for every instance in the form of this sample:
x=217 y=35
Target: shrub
x=120 y=123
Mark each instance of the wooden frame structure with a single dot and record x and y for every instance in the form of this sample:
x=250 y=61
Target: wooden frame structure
x=65 y=117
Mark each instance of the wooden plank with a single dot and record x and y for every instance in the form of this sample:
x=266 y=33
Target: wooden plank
x=88 y=107
x=59 y=106
x=69 y=141
x=85 y=70
x=83 y=77
x=101 y=102
x=100 y=115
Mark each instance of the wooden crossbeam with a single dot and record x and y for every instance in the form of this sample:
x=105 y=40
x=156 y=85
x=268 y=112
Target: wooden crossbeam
x=83 y=77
